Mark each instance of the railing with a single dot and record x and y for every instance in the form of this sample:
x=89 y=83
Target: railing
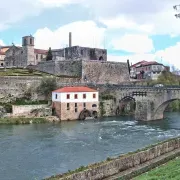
x=120 y=86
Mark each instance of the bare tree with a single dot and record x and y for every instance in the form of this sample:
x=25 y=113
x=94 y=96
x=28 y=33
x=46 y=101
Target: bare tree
x=177 y=8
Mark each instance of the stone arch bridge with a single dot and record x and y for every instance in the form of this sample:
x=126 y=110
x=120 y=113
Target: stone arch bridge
x=150 y=101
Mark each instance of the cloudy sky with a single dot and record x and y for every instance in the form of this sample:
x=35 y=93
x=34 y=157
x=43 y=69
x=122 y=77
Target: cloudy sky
x=129 y=29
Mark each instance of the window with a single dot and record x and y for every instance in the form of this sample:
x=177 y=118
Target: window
x=56 y=96
x=36 y=56
x=76 y=109
x=41 y=56
x=94 y=96
x=68 y=96
x=30 y=41
x=84 y=96
x=75 y=96
x=68 y=107
x=94 y=105
x=84 y=105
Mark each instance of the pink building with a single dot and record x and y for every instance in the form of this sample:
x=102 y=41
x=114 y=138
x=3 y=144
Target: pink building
x=72 y=103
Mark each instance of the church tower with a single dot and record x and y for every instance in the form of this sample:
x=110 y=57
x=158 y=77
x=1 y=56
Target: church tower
x=28 y=50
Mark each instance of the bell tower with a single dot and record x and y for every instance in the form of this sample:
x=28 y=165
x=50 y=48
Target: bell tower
x=28 y=50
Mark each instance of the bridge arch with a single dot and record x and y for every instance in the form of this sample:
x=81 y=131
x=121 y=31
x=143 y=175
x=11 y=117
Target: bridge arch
x=159 y=112
x=122 y=105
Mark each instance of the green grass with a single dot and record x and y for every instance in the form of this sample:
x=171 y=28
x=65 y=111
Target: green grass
x=168 y=171
x=22 y=72
x=22 y=120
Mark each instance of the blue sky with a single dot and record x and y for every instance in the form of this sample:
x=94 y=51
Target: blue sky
x=129 y=29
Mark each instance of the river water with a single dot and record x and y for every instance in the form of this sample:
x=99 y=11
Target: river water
x=29 y=152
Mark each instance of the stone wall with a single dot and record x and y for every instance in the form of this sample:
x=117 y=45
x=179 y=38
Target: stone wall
x=84 y=53
x=60 y=68
x=114 y=166
x=17 y=85
x=108 y=108
x=64 y=114
x=105 y=72
x=18 y=110
x=89 y=71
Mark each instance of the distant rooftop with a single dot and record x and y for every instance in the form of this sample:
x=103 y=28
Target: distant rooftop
x=75 y=89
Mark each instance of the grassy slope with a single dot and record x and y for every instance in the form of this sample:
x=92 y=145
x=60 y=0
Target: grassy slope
x=22 y=120
x=21 y=72
x=169 y=171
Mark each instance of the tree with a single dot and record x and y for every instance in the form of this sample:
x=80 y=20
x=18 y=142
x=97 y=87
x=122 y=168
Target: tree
x=49 y=55
x=47 y=85
x=176 y=7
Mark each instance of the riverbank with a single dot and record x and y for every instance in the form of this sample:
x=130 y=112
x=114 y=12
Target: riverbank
x=132 y=164
x=168 y=171
x=22 y=120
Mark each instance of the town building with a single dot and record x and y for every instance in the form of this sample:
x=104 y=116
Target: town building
x=147 y=70
x=2 y=56
x=72 y=103
x=16 y=56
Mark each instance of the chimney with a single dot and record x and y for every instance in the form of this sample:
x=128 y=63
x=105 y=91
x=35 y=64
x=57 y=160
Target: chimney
x=70 y=39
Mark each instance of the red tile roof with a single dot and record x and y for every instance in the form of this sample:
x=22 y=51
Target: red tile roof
x=40 y=51
x=140 y=62
x=75 y=89
x=146 y=63
x=2 y=53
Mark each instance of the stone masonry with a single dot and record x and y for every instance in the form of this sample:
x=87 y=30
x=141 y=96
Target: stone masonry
x=78 y=53
x=89 y=71
x=63 y=114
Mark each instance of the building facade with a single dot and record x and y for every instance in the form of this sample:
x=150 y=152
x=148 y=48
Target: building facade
x=16 y=56
x=147 y=70
x=72 y=103
x=2 y=56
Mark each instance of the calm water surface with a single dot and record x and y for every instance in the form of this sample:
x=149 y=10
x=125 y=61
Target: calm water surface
x=29 y=152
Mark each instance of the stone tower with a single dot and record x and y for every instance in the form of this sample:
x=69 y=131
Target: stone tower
x=28 y=50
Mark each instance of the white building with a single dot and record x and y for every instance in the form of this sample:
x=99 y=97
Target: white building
x=71 y=103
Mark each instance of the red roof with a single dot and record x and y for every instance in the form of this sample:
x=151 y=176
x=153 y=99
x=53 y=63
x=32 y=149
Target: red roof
x=75 y=89
x=150 y=63
x=40 y=51
x=2 y=53
x=140 y=62
x=145 y=63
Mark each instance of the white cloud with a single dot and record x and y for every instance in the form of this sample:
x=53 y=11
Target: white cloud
x=134 y=43
x=58 y=3
x=2 y=43
x=170 y=55
x=132 y=58
x=85 y=33
x=122 y=22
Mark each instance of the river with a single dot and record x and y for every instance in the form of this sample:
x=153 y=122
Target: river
x=36 y=151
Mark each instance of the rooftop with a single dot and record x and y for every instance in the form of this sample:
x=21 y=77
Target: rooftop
x=75 y=89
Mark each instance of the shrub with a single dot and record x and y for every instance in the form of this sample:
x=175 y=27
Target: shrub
x=47 y=85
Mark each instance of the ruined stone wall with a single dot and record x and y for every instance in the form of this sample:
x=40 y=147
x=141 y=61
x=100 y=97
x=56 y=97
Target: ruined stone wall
x=124 y=162
x=18 y=110
x=105 y=72
x=60 y=68
x=84 y=53
x=17 y=85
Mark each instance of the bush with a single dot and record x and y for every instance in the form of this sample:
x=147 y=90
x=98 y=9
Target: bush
x=48 y=84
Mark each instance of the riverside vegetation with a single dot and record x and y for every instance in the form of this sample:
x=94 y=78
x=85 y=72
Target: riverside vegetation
x=47 y=85
x=169 y=171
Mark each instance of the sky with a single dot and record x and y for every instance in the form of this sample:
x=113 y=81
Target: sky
x=128 y=29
